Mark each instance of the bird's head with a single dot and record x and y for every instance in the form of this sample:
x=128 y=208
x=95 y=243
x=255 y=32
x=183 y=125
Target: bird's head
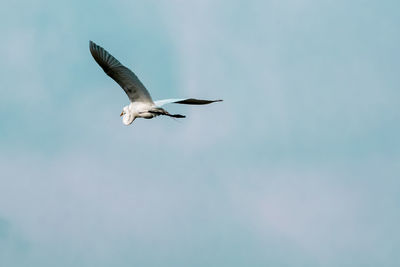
x=127 y=116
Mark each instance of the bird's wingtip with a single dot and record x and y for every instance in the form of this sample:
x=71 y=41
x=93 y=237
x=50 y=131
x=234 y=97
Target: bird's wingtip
x=92 y=46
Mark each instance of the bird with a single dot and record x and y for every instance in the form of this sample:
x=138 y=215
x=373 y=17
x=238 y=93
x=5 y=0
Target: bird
x=141 y=104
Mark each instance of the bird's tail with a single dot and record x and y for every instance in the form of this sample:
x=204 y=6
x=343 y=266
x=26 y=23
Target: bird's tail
x=161 y=111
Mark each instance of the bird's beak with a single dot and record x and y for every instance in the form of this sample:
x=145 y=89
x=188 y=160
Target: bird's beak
x=122 y=113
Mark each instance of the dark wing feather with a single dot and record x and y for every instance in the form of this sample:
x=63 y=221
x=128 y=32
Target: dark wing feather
x=121 y=74
x=193 y=101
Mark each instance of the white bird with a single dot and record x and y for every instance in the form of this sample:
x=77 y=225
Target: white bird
x=141 y=106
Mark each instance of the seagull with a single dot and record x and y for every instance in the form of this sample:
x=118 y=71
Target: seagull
x=141 y=104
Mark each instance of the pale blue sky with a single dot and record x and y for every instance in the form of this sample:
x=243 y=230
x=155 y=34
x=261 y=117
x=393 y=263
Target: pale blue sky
x=299 y=166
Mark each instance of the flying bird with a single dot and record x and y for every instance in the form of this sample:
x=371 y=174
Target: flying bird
x=141 y=104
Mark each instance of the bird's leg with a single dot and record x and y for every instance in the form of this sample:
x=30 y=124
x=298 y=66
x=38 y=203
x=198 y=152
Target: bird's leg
x=161 y=111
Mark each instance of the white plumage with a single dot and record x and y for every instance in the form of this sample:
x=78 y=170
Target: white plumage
x=142 y=105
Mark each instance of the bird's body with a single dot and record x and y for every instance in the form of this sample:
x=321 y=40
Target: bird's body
x=142 y=105
x=141 y=109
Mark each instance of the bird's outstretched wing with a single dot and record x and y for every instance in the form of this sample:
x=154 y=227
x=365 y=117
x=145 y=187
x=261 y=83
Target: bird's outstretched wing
x=121 y=74
x=187 y=101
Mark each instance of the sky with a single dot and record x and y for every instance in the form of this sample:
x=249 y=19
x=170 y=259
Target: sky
x=299 y=166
